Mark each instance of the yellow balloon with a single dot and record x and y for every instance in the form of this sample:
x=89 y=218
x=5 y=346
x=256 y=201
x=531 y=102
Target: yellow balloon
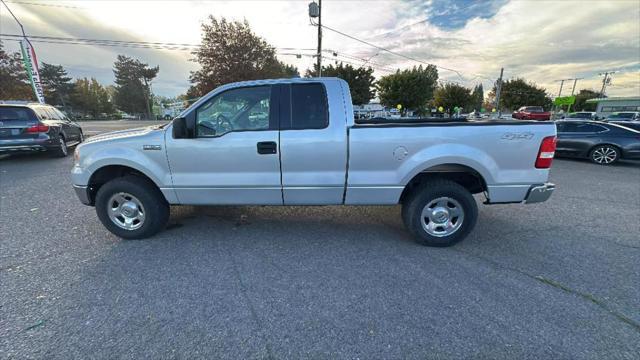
x=441 y=109
x=399 y=106
x=493 y=110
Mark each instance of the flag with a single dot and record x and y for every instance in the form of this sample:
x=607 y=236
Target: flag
x=31 y=64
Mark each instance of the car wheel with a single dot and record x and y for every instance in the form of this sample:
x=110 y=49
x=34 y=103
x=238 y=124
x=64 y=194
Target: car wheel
x=441 y=213
x=132 y=207
x=605 y=154
x=61 y=149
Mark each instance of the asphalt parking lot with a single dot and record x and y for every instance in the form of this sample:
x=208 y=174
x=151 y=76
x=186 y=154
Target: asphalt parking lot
x=552 y=280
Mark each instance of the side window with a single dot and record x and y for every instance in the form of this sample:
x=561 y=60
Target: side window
x=53 y=114
x=570 y=127
x=61 y=115
x=589 y=128
x=561 y=127
x=239 y=109
x=309 y=109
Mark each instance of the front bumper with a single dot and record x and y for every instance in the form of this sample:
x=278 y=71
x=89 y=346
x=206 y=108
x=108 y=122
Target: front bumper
x=83 y=194
x=539 y=193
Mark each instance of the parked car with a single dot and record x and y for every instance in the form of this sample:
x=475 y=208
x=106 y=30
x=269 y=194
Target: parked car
x=34 y=127
x=307 y=149
x=531 y=113
x=624 y=116
x=603 y=143
x=582 y=115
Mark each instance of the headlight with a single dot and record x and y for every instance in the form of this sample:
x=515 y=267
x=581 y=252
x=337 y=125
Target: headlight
x=76 y=156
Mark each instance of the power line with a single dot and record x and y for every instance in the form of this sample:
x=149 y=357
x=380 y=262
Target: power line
x=46 y=5
x=390 y=51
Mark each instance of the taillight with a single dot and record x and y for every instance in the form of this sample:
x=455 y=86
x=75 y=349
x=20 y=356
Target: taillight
x=546 y=152
x=39 y=128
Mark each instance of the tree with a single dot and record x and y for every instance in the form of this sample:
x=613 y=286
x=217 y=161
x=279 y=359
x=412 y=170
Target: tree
x=410 y=88
x=231 y=52
x=133 y=85
x=14 y=80
x=518 y=92
x=361 y=81
x=452 y=95
x=91 y=98
x=581 y=100
x=477 y=98
x=56 y=84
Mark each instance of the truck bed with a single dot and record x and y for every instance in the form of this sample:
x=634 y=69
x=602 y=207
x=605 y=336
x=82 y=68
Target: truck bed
x=384 y=156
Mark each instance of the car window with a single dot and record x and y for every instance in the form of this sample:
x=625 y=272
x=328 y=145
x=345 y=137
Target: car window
x=309 y=106
x=535 y=109
x=239 y=109
x=589 y=128
x=61 y=115
x=17 y=114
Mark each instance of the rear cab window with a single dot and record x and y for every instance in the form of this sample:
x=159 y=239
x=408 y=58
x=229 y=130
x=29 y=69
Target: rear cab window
x=309 y=107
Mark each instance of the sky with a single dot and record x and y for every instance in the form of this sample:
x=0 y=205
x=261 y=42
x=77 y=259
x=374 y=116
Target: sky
x=470 y=40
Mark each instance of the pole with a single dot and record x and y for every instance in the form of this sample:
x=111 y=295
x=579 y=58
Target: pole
x=604 y=83
x=573 y=90
x=499 y=91
x=319 y=38
x=561 y=83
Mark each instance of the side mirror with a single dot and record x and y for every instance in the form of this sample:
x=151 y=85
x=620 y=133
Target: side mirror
x=180 y=128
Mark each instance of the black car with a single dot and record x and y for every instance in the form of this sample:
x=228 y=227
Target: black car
x=601 y=142
x=33 y=127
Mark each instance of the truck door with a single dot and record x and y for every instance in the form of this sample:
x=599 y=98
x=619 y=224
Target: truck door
x=233 y=157
x=313 y=143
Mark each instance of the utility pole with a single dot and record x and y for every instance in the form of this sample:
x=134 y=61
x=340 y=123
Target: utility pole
x=573 y=90
x=498 y=91
x=315 y=10
x=605 y=81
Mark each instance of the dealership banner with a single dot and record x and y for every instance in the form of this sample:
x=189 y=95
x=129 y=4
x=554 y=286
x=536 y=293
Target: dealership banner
x=31 y=64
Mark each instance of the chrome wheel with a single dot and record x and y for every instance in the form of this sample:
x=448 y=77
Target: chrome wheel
x=442 y=217
x=63 y=146
x=126 y=211
x=604 y=155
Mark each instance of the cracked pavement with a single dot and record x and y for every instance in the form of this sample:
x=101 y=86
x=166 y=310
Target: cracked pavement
x=552 y=280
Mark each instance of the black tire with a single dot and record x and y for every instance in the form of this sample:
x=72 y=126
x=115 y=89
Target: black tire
x=604 y=154
x=156 y=208
x=432 y=191
x=61 y=150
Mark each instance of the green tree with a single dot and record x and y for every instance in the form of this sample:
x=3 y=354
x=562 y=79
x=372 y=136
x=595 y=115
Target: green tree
x=133 y=85
x=518 y=92
x=231 y=52
x=451 y=95
x=91 y=98
x=411 y=88
x=14 y=80
x=56 y=84
x=581 y=100
x=361 y=81
x=477 y=98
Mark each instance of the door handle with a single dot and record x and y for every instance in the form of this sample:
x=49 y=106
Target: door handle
x=267 y=147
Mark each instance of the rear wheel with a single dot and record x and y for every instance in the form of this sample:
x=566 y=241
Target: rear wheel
x=604 y=154
x=61 y=149
x=131 y=207
x=441 y=213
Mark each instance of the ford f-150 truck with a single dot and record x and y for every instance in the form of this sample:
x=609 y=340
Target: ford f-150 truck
x=295 y=142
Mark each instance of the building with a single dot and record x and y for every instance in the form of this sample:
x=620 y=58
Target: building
x=608 y=106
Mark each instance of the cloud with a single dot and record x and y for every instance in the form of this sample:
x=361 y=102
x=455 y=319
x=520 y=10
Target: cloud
x=539 y=40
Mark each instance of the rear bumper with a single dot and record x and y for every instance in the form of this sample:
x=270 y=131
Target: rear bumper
x=21 y=148
x=83 y=194
x=43 y=142
x=539 y=193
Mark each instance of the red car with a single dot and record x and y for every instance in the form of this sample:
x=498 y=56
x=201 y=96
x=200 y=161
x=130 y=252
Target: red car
x=531 y=113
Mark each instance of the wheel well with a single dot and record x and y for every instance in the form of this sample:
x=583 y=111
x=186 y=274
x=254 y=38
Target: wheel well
x=469 y=178
x=110 y=172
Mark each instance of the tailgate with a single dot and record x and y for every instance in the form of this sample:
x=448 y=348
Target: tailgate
x=14 y=122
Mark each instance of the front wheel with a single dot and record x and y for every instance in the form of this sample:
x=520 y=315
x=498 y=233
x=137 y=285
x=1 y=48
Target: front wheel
x=132 y=207
x=440 y=213
x=604 y=154
x=61 y=149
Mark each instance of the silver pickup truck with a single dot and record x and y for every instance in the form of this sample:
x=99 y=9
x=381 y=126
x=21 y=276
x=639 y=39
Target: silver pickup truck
x=295 y=142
